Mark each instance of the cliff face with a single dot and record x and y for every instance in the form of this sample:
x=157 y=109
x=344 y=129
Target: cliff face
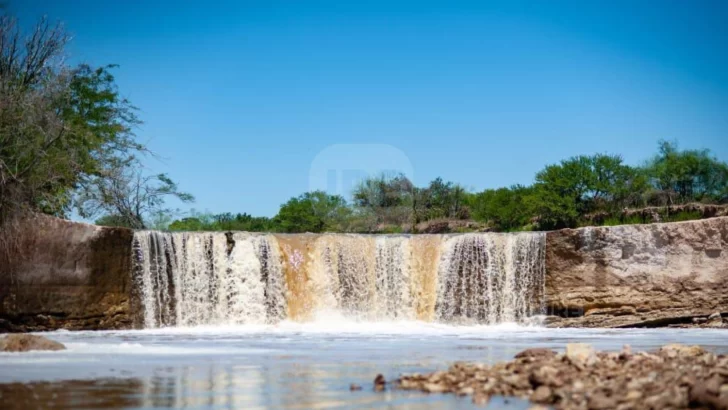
x=638 y=275
x=67 y=275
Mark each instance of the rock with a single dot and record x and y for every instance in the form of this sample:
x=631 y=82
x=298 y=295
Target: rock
x=537 y=352
x=379 y=382
x=481 y=399
x=541 y=395
x=714 y=316
x=581 y=354
x=677 y=349
x=354 y=387
x=600 y=401
x=466 y=391
x=434 y=388
x=75 y=270
x=27 y=342
x=676 y=377
x=637 y=275
x=633 y=395
x=545 y=375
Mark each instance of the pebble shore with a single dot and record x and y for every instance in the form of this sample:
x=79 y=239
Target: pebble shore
x=673 y=377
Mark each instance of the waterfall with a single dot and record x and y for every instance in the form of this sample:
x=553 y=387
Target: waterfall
x=202 y=278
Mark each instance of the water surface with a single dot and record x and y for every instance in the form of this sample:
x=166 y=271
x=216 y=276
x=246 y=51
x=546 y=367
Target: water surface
x=289 y=366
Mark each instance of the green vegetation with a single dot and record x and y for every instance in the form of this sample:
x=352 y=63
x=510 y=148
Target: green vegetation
x=579 y=191
x=67 y=137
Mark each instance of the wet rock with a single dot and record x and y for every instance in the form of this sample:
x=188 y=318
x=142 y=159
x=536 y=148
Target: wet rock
x=28 y=342
x=354 y=387
x=380 y=383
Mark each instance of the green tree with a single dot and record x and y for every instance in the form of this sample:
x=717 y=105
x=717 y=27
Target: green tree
x=505 y=208
x=59 y=126
x=688 y=175
x=313 y=212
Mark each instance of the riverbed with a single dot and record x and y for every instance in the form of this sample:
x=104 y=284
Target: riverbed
x=287 y=366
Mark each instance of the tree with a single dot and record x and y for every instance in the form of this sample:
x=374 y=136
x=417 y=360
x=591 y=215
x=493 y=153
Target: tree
x=386 y=200
x=313 y=212
x=583 y=184
x=505 y=208
x=688 y=175
x=58 y=125
x=444 y=200
x=129 y=194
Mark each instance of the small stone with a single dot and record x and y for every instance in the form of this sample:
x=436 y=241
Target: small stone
x=682 y=350
x=581 y=354
x=713 y=316
x=541 y=395
x=545 y=375
x=633 y=395
x=434 y=388
x=407 y=384
x=27 y=342
x=466 y=391
x=713 y=385
x=601 y=402
x=480 y=399
x=354 y=387
x=537 y=352
x=379 y=383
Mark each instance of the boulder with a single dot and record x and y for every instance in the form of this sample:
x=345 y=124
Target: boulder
x=654 y=275
x=27 y=342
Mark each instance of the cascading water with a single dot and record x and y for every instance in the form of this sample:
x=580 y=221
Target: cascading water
x=188 y=279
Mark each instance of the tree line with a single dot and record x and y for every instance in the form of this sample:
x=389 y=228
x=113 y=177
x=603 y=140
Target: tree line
x=576 y=191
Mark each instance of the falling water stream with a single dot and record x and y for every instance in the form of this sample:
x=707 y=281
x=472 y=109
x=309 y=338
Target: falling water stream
x=188 y=279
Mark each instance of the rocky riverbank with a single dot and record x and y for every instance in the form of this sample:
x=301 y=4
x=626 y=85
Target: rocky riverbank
x=675 y=376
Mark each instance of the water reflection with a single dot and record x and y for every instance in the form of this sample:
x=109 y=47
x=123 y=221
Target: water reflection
x=222 y=387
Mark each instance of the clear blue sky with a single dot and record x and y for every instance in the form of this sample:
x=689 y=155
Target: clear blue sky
x=239 y=97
